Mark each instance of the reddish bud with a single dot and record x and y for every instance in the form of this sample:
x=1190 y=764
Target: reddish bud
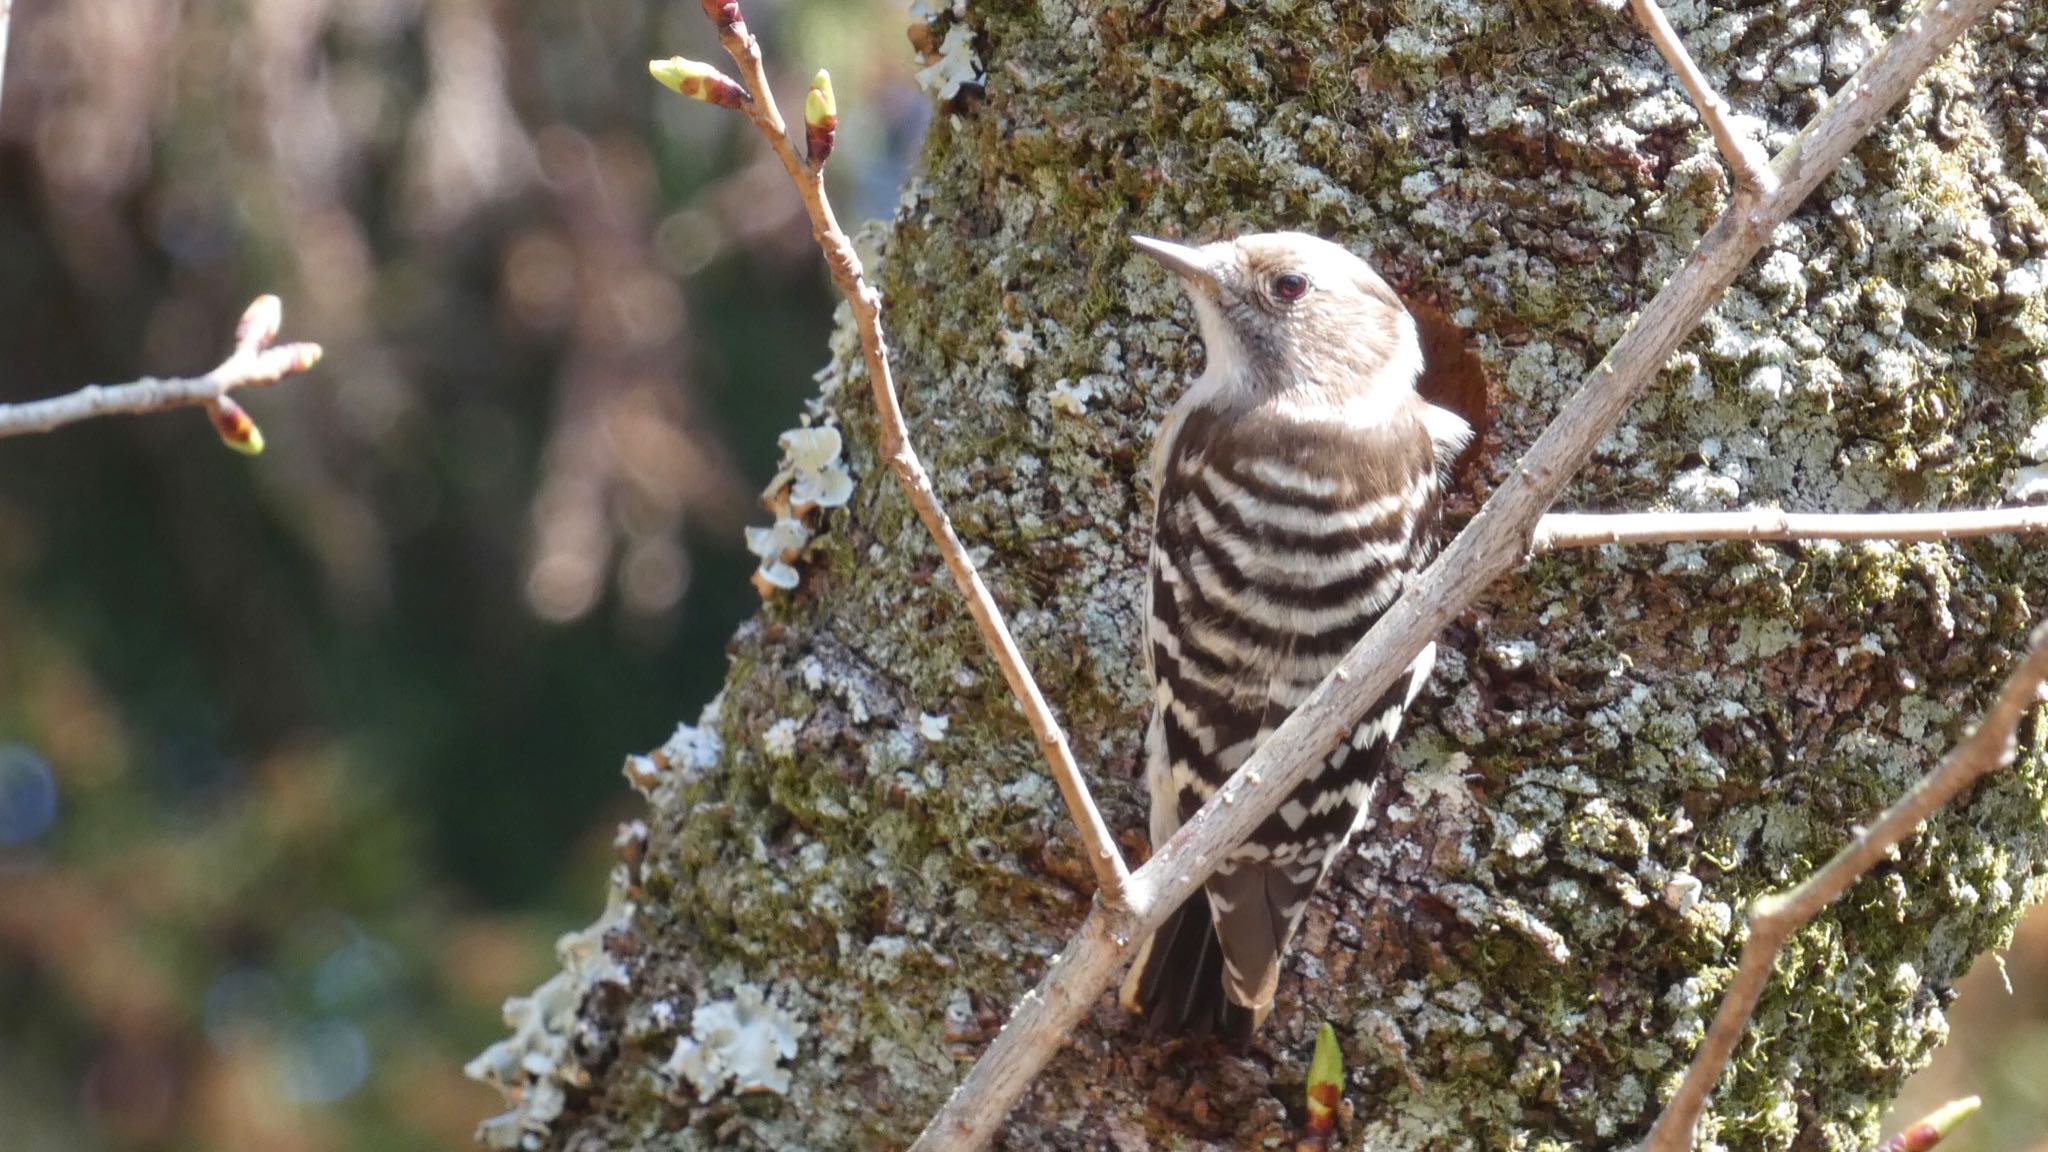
x=260 y=322
x=303 y=357
x=1931 y=1130
x=821 y=119
x=1325 y=1082
x=235 y=428
x=698 y=81
x=723 y=13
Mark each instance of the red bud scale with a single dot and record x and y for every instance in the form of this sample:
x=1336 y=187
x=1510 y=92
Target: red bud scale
x=235 y=428
x=260 y=322
x=1325 y=1082
x=698 y=81
x=821 y=119
x=723 y=13
x=1930 y=1130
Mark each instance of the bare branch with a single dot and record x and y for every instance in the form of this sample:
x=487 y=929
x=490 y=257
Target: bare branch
x=253 y=364
x=1746 y=160
x=1775 y=917
x=1593 y=529
x=1111 y=875
x=1489 y=547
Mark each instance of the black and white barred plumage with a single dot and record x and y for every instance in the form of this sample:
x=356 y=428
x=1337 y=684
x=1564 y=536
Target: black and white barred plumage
x=1298 y=483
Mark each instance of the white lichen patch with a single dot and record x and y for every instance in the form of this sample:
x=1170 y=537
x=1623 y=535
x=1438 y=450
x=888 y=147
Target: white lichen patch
x=1783 y=272
x=779 y=741
x=1850 y=47
x=1799 y=69
x=1018 y=346
x=1761 y=639
x=932 y=728
x=738 y=1043
x=1415 y=46
x=1703 y=487
x=777 y=546
x=811 y=466
x=1070 y=398
x=537 y=1064
x=683 y=758
x=1925 y=722
x=2025 y=282
x=2028 y=484
x=1682 y=892
x=956 y=67
x=2034 y=446
x=812 y=477
x=1512 y=654
x=694 y=748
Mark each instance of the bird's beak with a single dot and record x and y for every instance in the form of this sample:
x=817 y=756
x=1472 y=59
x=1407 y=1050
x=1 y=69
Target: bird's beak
x=1192 y=265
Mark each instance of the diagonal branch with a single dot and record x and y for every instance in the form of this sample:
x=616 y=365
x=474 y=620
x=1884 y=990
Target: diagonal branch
x=1489 y=547
x=1593 y=529
x=757 y=100
x=1776 y=917
x=253 y=364
x=1745 y=158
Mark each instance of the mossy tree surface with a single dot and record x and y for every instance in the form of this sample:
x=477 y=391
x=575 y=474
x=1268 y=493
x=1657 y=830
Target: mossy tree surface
x=1621 y=749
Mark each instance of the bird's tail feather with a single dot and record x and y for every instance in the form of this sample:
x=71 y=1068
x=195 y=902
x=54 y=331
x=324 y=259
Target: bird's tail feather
x=1177 y=982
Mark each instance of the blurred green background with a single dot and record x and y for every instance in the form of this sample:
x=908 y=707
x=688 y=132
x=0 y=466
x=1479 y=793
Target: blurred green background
x=305 y=761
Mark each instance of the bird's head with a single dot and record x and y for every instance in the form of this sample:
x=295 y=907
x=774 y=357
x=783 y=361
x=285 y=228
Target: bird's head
x=1284 y=310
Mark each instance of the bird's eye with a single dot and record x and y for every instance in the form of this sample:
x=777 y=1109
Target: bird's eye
x=1290 y=285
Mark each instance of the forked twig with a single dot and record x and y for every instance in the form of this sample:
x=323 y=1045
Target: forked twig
x=1593 y=529
x=753 y=96
x=1776 y=917
x=253 y=364
x=1746 y=161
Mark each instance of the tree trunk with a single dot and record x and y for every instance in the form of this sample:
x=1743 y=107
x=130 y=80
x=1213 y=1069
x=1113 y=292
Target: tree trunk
x=1621 y=748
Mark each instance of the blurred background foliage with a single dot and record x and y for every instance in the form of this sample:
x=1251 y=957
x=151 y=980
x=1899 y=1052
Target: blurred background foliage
x=305 y=761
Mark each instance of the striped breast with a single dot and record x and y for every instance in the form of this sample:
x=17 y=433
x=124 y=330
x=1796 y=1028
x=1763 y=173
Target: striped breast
x=1279 y=539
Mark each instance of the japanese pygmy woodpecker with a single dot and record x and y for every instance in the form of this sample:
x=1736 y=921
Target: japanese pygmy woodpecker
x=1298 y=482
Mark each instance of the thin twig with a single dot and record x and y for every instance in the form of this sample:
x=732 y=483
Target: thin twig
x=1489 y=547
x=1111 y=875
x=253 y=364
x=1775 y=917
x=1746 y=160
x=1593 y=529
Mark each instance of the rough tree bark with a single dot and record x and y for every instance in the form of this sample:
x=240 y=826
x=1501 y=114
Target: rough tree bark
x=1621 y=748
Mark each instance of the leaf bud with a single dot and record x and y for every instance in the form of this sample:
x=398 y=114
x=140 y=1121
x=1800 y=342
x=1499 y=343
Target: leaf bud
x=821 y=119
x=698 y=81
x=235 y=428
